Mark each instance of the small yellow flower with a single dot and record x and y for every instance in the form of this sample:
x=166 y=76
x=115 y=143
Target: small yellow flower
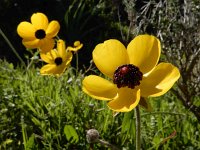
x=58 y=60
x=77 y=45
x=134 y=73
x=39 y=33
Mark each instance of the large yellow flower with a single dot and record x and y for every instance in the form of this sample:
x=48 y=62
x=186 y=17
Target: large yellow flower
x=58 y=60
x=133 y=73
x=39 y=33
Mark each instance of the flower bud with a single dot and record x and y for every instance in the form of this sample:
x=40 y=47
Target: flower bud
x=92 y=135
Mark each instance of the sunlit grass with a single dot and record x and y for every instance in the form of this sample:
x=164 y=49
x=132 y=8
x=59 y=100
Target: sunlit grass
x=35 y=110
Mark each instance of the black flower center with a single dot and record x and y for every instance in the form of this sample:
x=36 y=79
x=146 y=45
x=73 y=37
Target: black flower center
x=58 y=61
x=40 y=34
x=127 y=75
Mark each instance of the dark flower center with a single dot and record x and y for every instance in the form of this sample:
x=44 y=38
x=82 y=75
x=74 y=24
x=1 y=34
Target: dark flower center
x=127 y=75
x=40 y=34
x=58 y=61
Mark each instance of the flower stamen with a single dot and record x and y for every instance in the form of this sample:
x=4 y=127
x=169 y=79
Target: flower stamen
x=127 y=75
x=40 y=34
x=58 y=61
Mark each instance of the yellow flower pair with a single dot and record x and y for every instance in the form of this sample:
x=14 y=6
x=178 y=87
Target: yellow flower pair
x=40 y=34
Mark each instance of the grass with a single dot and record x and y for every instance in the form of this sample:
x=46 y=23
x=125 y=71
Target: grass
x=47 y=113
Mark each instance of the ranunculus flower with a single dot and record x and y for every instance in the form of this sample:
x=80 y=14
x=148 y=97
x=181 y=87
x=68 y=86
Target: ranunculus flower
x=131 y=73
x=58 y=60
x=39 y=33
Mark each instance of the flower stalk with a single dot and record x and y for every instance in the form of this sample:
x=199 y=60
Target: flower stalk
x=12 y=47
x=76 y=64
x=138 y=128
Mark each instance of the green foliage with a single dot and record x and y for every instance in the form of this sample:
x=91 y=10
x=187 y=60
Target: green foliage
x=71 y=134
x=30 y=145
x=76 y=20
x=91 y=19
x=44 y=112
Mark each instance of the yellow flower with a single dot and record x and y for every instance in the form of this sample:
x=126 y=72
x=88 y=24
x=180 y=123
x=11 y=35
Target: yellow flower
x=58 y=60
x=134 y=73
x=39 y=33
x=76 y=47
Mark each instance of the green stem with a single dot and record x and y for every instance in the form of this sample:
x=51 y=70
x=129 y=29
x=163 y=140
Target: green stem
x=138 y=127
x=24 y=135
x=105 y=143
x=76 y=63
x=32 y=60
x=12 y=47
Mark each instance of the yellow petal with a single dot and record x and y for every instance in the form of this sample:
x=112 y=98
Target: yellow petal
x=48 y=69
x=74 y=49
x=68 y=58
x=99 y=88
x=31 y=43
x=61 y=68
x=53 y=29
x=77 y=46
x=108 y=56
x=39 y=21
x=77 y=43
x=52 y=69
x=54 y=54
x=127 y=100
x=144 y=52
x=160 y=80
x=26 y=30
x=61 y=49
x=69 y=48
x=46 y=45
x=47 y=57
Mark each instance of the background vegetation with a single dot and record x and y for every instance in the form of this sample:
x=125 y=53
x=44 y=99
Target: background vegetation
x=44 y=112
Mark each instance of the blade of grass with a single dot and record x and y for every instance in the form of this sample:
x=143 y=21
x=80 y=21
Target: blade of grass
x=12 y=48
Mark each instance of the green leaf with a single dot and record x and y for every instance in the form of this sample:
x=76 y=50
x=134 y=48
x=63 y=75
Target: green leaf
x=36 y=121
x=8 y=141
x=156 y=141
x=71 y=134
x=30 y=143
x=126 y=123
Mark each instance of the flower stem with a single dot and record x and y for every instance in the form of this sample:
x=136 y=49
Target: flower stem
x=105 y=143
x=76 y=64
x=32 y=60
x=12 y=48
x=138 y=128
